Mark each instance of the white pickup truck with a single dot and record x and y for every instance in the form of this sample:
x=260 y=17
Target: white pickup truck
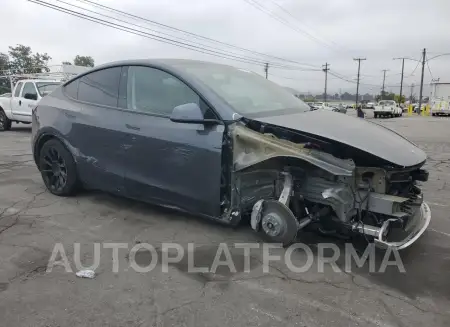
x=387 y=108
x=24 y=98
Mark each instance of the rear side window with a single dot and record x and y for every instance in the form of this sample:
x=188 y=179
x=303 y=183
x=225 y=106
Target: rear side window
x=71 y=89
x=18 y=88
x=100 y=87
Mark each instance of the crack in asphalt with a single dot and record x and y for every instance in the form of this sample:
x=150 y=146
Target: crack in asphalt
x=17 y=214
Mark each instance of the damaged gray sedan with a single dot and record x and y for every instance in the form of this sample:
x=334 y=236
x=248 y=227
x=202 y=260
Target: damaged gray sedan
x=225 y=143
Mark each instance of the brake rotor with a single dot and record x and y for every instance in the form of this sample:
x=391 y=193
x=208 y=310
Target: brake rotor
x=278 y=223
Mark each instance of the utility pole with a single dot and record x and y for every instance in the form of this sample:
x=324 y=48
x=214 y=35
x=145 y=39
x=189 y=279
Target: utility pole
x=266 y=69
x=411 y=95
x=384 y=79
x=424 y=54
x=401 y=80
x=325 y=69
x=357 y=83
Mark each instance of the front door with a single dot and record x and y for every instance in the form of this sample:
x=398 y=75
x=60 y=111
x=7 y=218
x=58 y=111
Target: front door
x=16 y=100
x=28 y=100
x=171 y=163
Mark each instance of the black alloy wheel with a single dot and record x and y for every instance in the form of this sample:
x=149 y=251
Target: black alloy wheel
x=58 y=168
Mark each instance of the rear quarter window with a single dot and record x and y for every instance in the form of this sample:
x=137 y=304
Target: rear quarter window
x=71 y=89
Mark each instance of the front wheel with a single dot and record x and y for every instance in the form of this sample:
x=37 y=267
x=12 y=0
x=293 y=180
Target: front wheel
x=5 y=122
x=58 y=169
x=278 y=223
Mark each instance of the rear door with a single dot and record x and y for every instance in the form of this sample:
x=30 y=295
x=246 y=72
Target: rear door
x=97 y=131
x=177 y=164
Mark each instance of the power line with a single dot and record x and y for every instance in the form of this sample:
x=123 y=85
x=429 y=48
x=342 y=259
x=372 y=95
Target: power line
x=431 y=74
x=258 y=6
x=418 y=63
x=197 y=36
x=123 y=21
x=298 y=20
x=156 y=37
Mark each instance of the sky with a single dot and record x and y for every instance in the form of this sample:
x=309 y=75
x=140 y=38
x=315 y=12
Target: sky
x=304 y=34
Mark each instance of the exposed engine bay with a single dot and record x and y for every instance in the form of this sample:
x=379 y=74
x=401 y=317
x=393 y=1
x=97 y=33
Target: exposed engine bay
x=286 y=180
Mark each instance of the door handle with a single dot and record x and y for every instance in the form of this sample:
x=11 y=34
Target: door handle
x=20 y=102
x=135 y=128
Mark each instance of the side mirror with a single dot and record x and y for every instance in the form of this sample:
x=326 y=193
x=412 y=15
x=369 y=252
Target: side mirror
x=30 y=96
x=187 y=113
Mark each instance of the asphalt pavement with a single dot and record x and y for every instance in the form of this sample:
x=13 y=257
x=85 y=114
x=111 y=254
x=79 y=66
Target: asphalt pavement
x=32 y=221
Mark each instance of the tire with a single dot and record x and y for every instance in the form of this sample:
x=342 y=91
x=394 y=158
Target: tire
x=5 y=122
x=375 y=115
x=58 y=168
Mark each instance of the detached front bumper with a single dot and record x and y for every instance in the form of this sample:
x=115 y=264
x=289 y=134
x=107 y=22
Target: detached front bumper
x=415 y=227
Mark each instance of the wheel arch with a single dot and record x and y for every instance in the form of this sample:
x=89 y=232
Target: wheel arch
x=44 y=137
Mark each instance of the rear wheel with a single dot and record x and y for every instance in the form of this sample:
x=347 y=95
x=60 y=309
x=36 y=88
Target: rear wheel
x=375 y=115
x=57 y=167
x=5 y=123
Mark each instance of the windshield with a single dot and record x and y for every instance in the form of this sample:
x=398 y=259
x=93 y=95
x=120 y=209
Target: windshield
x=45 y=88
x=386 y=103
x=248 y=93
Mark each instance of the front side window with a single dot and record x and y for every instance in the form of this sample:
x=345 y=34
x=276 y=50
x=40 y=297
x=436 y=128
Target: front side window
x=248 y=93
x=100 y=87
x=18 y=88
x=155 y=91
x=29 y=88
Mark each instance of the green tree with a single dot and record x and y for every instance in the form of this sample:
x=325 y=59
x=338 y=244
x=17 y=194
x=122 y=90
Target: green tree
x=66 y=63
x=86 y=61
x=398 y=100
x=5 y=85
x=24 y=61
x=4 y=62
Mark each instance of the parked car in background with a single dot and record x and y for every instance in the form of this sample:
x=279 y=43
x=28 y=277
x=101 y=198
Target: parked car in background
x=311 y=105
x=224 y=143
x=339 y=107
x=349 y=106
x=25 y=96
x=387 y=108
x=370 y=105
x=416 y=107
x=324 y=106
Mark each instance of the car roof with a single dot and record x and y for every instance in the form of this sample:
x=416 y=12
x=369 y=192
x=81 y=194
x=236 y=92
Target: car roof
x=163 y=62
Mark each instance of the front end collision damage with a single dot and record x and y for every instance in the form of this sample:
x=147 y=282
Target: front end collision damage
x=284 y=185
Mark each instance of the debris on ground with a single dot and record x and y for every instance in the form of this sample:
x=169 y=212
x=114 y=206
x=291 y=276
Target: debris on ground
x=86 y=273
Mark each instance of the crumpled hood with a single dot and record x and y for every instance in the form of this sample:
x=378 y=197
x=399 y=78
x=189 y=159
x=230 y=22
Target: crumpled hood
x=356 y=132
